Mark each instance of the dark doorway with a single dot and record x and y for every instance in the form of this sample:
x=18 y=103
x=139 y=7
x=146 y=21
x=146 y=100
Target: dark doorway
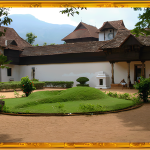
x=138 y=71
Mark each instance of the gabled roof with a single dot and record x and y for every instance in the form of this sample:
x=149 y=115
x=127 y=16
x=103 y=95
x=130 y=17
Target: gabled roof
x=11 y=35
x=79 y=47
x=122 y=36
x=145 y=40
x=82 y=31
x=111 y=24
x=11 y=42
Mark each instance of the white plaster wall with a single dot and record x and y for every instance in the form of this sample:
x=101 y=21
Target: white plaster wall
x=147 y=69
x=71 y=71
x=120 y=72
x=101 y=34
x=14 y=74
x=26 y=70
x=67 y=72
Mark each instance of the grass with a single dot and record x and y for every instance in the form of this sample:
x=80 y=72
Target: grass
x=68 y=101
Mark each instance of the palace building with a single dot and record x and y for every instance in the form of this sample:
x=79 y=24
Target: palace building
x=106 y=56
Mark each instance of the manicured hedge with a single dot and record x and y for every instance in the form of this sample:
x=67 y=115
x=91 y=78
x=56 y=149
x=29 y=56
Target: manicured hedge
x=83 y=85
x=38 y=84
x=63 y=84
x=17 y=84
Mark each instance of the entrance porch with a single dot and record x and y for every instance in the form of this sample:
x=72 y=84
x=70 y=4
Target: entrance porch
x=129 y=71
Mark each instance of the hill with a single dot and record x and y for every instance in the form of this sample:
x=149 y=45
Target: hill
x=45 y=32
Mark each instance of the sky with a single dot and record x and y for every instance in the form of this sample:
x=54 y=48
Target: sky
x=91 y=16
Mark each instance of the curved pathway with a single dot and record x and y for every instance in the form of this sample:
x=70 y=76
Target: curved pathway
x=128 y=126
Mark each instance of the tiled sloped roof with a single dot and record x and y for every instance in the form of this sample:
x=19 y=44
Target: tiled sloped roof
x=145 y=40
x=13 y=47
x=121 y=35
x=79 y=47
x=86 y=31
x=11 y=35
x=92 y=30
x=114 y=24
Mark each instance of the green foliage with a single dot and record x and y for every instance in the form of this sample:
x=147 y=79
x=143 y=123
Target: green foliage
x=2 y=96
x=17 y=84
x=35 y=79
x=3 y=60
x=30 y=37
x=36 y=45
x=71 y=94
x=39 y=85
x=126 y=96
x=45 y=101
x=9 y=85
x=140 y=27
x=63 y=84
x=60 y=108
x=91 y=108
x=23 y=95
x=6 y=109
x=52 y=44
x=143 y=88
x=6 y=20
x=16 y=94
x=82 y=80
x=27 y=86
x=44 y=44
x=70 y=10
x=64 y=42
x=83 y=85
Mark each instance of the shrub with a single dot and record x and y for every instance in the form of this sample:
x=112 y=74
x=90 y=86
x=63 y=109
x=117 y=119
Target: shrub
x=6 y=109
x=60 y=108
x=35 y=79
x=27 y=86
x=16 y=94
x=143 y=88
x=126 y=96
x=63 y=84
x=17 y=84
x=39 y=85
x=91 y=108
x=82 y=80
x=83 y=85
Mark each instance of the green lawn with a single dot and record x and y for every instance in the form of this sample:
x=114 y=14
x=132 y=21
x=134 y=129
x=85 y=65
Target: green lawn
x=70 y=100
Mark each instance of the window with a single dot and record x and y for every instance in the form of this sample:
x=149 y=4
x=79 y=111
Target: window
x=100 y=81
x=33 y=72
x=9 y=72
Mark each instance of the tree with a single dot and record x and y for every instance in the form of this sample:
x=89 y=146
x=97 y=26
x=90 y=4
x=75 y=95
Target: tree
x=3 y=60
x=64 y=42
x=6 y=20
x=36 y=45
x=141 y=27
x=72 y=10
x=30 y=37
x=44 y=44
x=52 y=44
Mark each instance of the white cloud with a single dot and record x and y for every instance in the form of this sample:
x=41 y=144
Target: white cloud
x=92 y=16
x=50 y=15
